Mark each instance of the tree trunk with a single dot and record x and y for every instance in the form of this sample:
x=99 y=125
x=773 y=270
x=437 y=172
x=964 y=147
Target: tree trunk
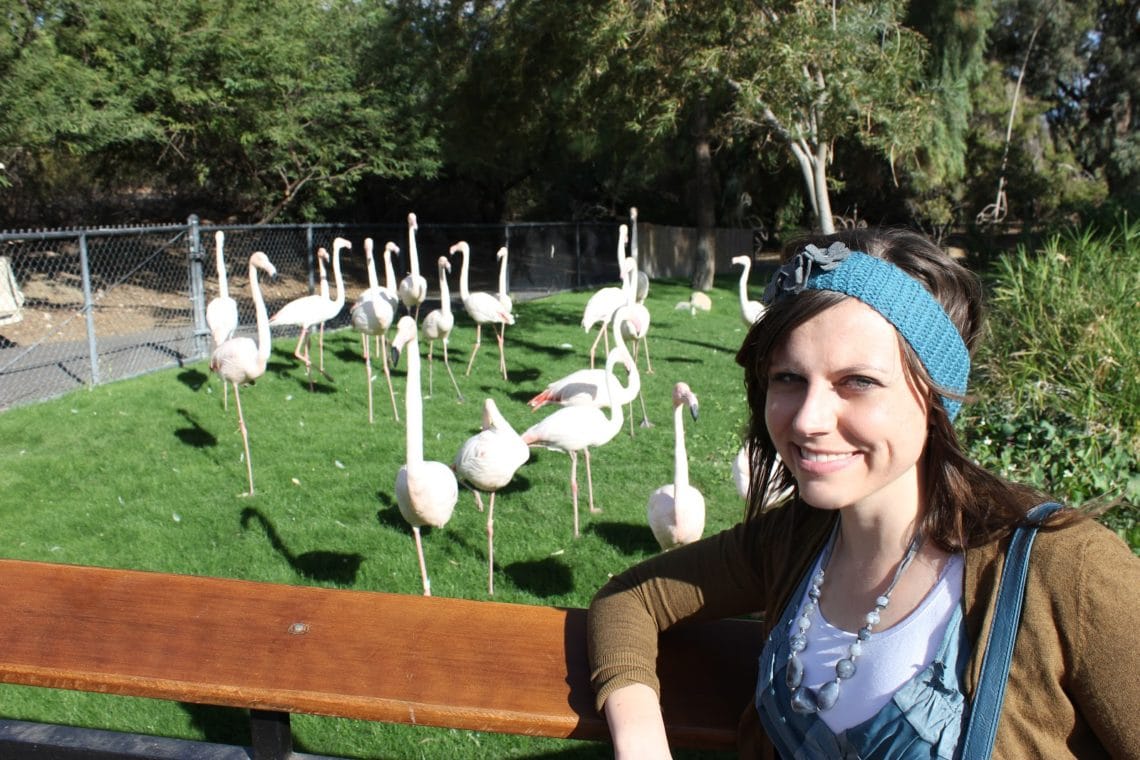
x=823 y=199
x=704 y=263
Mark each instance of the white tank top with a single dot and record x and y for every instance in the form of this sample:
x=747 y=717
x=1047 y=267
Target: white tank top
x=890 y=658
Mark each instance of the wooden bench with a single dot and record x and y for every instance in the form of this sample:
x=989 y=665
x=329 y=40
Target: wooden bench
x=278 y=650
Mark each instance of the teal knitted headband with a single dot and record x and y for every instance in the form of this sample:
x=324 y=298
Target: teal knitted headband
x=898 y=297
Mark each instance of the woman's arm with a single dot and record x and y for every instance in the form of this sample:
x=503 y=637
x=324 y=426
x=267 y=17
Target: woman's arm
x=636 y=726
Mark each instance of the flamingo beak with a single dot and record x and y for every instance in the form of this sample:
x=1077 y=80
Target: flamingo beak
x=694 y=409
x=395 y=354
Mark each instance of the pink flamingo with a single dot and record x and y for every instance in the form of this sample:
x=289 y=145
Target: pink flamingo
x=426 y=492
x=602 y=305
x=412 y=290
x=483 y=308
x=438 y=325
x=222 y=311
x=239 y=360
x=486 y=462
x=504 y=298
x=309 y=311
x=676 y=511
x=576 y=428
x=372 y=315
x=750 y=311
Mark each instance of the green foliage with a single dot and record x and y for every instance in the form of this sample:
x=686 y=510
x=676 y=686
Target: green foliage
x=1059 y=377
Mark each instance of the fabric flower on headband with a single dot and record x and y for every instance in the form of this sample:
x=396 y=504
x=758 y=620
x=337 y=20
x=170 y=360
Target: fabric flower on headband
x=793 y=274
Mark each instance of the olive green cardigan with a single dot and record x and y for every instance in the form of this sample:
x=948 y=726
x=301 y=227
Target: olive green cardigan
x=1074 y=684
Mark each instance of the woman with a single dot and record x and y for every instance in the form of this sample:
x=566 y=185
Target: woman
x=877 y=575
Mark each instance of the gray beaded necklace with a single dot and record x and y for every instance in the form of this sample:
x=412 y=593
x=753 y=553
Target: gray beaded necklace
x=804 y=699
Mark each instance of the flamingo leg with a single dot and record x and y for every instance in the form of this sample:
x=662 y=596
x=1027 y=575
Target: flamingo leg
x=478 y=499
x=431 y=365
x=321 y=347
x=423 y=565
x=648 y=364
x=645 y=423
x=590 y=483
x=499 y=333
x=244 y=439
x=574 y=487
x=225 y=396
x=491 y=546
x=475 y=348
x=305 y=356
x=594 y=347
x=388 y=375
x=368 y=374
x=450 y=374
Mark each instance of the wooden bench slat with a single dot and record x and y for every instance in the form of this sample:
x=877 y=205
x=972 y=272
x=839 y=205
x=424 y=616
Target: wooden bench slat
x=485 y=666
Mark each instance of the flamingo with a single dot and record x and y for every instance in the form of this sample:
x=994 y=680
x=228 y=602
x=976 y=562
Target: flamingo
x=601 y=306
x=426 y=492
x=641 y=290
x=307 y=311
x=482 y=307
x=676 y=511
x=742 y=478
x=438 y=325
x=413 y=288
x=504 y=298
x=576 y=428
x=636 y=328
x=486 y=462
x=372 y=315
x=240 y=360
x=750 y=311
x=221 y=312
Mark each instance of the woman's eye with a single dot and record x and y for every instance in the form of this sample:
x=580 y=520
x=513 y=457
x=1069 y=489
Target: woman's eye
x=860 y=382
x=783 y=378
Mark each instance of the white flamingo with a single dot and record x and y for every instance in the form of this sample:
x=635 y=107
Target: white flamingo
x=438 y=325
x=641 y=283
x=486 y=462
x=676 y=511
x=602 y=305
x=309 y=311
x=750 y=311
x=240 y=360
x=412 y=290
x=576 y=428
x=504 y=297
x=222 y=311
x=372 y=315
x=742 y=478
x=483 y=308
x=426 y=491
x=587 y=387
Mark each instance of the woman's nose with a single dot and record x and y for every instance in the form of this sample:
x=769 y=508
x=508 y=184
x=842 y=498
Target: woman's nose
x=816 y=413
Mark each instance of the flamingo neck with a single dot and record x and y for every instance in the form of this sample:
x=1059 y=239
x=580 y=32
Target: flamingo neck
x=220 y=263
x=336 y=276
x=373 y=281
x=444 y=293
x=263 y=335
x=612 y=383
x=503 y=276
x=680 y=458
x=414 y=406
x=389 y=272
x=464 y=293
x=744 y=283
x=413 y=254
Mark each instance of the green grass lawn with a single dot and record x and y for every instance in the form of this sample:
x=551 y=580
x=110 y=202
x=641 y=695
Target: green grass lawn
x=148 y=474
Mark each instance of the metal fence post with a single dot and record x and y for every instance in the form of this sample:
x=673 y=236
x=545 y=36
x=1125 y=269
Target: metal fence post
x=89 y=309
x=197 y=287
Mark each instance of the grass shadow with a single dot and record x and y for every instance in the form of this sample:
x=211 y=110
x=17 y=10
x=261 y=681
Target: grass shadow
x=193 y=378
x=544 y=578
x=626 y=538
x=195 y=435
x=319 y=565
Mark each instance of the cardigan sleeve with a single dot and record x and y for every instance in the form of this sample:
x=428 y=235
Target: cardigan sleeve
x=710 y=579
x=1106 y=642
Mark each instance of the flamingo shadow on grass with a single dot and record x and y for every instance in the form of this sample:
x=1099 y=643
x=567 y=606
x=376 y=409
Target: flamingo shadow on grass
x=195 y=435
x=556 y=351
x=542 y=577
x=192 y=378
x=626 y=538
x=335 y=567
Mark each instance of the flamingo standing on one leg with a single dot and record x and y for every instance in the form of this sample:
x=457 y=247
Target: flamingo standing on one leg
x=309 y=311
x=601 y=306
x=372 y=315
x=486 y=462
x=676 y=511
x=222 y=311
x=438 y=325
x=750 y=311
x=240 y=360
x=412 y=290
x=426 y=492
x=483 y=308
x=576 y=428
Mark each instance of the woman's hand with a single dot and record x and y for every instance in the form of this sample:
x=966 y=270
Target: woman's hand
x=636 y=725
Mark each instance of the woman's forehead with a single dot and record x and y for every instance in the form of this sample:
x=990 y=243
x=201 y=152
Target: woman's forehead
x=848 y=334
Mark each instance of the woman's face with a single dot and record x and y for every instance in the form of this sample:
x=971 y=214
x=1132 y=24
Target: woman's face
x=844 y=413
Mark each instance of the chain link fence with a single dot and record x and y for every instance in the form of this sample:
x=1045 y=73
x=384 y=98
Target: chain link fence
x=82 y=307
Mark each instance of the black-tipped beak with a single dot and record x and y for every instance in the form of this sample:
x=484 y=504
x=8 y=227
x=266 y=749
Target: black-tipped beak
x=694 y=410
x=395 y=356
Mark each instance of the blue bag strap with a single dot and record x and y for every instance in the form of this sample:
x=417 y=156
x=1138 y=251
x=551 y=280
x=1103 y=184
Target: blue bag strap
x=990 y=693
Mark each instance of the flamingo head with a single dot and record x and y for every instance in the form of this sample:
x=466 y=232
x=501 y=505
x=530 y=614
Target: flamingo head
x=391 y=248
x=623 y=235
x=261 y=261
x=339 y=243
x=683 y=394
x=405 y=334
x=501 y=254
x=490 y=413
x=219 y=238
x=742 y=260
x=322 y=254
x=368 y=249
x=444 y=265
x=412 y=223
x=460 y=247
x=633 y=213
